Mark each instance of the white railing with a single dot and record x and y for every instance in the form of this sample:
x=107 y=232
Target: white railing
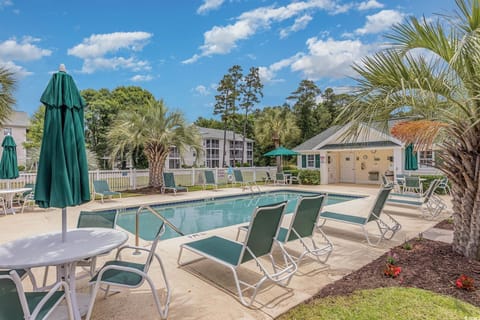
x=132 y=179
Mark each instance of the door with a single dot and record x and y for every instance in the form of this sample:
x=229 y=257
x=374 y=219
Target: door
x=347 y=167
x=332 y=168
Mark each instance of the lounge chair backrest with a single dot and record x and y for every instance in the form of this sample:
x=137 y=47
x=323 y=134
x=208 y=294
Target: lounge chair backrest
x=263 y=230
x=10 y=303
x=412 y=182
x=169 y=180
x=100 y=186
x=151 y=254
x=238 y=175
x=431 y=189
x=209 y=177
x=379 y=203
x=305 y=216
x=269 y=177
x=97 y=219
x=280 y=176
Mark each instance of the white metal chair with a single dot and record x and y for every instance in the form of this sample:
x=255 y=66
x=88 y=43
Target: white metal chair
x=15 y=303
x=127 y=274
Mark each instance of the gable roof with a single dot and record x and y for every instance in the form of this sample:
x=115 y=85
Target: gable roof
x=330 y=139
x=311 y=143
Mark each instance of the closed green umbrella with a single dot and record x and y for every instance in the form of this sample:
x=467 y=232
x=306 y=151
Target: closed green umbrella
x=8 y=164
x=62 y=176
x=411 y=162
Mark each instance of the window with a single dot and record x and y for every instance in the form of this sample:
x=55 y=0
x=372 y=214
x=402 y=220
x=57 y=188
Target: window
x=212 y=153
x=7 y=131
x=310 y=161
x=174 y=163
x=426 y=159
x=174 y=158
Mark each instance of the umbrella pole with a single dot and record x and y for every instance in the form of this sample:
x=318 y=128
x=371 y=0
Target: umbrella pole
x=64 y=224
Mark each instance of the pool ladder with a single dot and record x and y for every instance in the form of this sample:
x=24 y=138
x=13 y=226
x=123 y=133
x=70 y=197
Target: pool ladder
x=158 y=215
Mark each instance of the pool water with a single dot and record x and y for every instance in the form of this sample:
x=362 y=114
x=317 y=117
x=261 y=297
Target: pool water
x=201 y=215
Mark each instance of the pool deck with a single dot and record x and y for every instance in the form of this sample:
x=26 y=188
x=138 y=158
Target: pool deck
x=204 y=290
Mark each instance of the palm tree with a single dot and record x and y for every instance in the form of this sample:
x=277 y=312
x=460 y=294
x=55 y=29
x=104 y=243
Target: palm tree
x=438 y=85
x=156 y=130
x=7 y=86
x=276 y=125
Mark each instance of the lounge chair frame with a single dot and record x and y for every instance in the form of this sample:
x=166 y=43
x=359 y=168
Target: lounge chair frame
x=387 y=228
x=237 y=174
x=118 y=266
x=102 y=188
x=430 y=205
x=170 y=184
x=305 y=219
x=280 y=275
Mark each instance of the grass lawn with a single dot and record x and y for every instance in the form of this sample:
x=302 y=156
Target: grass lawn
x=385 y=303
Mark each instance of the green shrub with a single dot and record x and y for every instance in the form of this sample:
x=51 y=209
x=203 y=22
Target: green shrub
x=21 y=168
x=309 y=176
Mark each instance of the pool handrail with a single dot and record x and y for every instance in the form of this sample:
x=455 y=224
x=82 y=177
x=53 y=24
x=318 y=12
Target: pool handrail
x=158 y=215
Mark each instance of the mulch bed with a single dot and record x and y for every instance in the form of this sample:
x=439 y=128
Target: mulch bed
x=446 y=224
x=429 y=265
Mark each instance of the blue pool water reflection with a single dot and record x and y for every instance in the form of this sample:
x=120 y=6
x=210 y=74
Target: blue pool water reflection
x=202 y=215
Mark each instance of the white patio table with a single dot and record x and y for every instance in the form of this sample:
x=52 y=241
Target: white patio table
x=49 y=250
x=9 y=194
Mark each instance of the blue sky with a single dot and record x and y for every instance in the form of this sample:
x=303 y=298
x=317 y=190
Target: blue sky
x=180 y=50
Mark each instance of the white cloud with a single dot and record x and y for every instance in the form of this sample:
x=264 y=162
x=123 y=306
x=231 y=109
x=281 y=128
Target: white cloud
x=202 y=90
x=299 y=24
x=5 y=3
x=380 y=21
x=370 y=4
x=18 y=71
x=330 y=58
x=25 y=50
x=209 y=5
x=141 y=78
x=268 y=74
x=223 y=39
x=93 y=51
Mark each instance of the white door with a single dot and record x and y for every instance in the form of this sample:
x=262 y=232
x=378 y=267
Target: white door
x=332 y=168
x=347 y=167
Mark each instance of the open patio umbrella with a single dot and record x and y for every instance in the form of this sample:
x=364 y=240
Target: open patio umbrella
x=280 y=152
x=62 y=176
x=411 y=162
x=8 y=163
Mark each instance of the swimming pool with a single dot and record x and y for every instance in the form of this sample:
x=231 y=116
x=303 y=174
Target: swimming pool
x=206 y=214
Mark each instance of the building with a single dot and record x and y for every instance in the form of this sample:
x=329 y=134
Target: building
x=361 y=159
x=212 y=141
x=16 y=126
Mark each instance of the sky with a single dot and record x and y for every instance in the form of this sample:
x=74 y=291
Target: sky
x=180 y=50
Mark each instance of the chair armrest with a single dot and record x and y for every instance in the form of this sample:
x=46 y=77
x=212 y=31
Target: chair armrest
x=131 y=248
x=47 y=297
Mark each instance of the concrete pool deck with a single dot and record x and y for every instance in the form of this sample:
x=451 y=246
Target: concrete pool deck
x=204 y=290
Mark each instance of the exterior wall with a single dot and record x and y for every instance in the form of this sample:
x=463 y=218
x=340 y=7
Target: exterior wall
x=189 y=157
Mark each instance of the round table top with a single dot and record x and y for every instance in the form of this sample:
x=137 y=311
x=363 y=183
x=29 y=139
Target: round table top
x=48 y=249
x=16 y=190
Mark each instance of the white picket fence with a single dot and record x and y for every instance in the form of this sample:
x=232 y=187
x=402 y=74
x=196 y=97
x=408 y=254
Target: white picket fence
x=132 y=179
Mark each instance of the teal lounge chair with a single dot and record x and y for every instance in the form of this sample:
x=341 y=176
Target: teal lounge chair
x=413 y=184
x=244 y=184
x=261 y=236
x=101 y=188
x=302 y=227
x=387 y=229
x=126 y=274
x=280 y=178
x=429 y=203
x=15 y=303
x=169 y=183
x=210 y=179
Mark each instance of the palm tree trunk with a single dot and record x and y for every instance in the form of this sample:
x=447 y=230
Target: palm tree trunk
x=156 y=164
x=462 y=166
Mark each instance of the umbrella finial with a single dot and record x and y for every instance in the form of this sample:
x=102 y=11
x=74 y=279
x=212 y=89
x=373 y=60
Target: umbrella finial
x=62 y=68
